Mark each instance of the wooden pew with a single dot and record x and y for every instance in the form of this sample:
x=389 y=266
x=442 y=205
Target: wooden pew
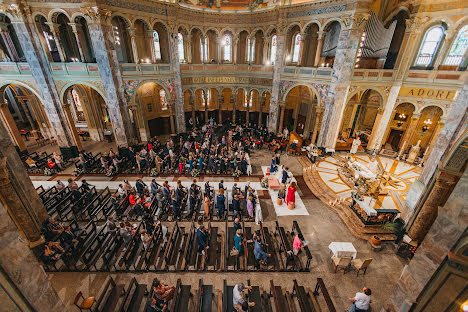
x=271 y=248
x=302 y=298
x=249 y=248
x=286 y=248
x=321 y=286
x=193 y=258
x=213 y=250
x=182 y=295
x=278 y=298
x=227 y=305
x=172 y=251
x=187 y=247
x=231 y=261
x=109 y=297
x=204 y=299
x=134 y=296
x=254 y=296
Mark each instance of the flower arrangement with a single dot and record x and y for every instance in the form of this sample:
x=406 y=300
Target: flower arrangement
x=264 y=182
x=154 y=172
x=47 y=172
x=236 y=173
x=111 y=171
x=77 y=172
x=195 y=173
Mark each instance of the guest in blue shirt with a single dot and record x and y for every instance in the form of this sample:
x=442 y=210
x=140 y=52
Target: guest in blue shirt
x=285 y=175
x=259 y=253
x=273 y=164
x=202 y=235
x=220 y=203
x=238 y=240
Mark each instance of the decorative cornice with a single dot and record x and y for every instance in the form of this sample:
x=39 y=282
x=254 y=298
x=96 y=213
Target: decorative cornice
x=355 y=21
x=414 y=24
x=96 y=14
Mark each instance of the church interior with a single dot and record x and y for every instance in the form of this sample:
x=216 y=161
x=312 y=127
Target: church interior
x=234 y=155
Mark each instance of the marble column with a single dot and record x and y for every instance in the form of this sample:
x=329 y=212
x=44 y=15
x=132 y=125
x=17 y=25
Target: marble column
x=219 y=43
x=78 y=41
x=266 y=45
x=301 y=49
x=262 y=103
x=131 y=33
x=179 y=113
x=20 y=264
x=277 y=68
x=205 y=99
x=192 y=105
x=346 y=51
x=203 y=50
x=383 y=119
x=220 y=106
x=171 y=117
x=247 y=111
x=100 y=31
x=235 y=46
x=318 y=52
x=188 y=44
x=308 y=120
x=409 y=134
x=23 y=101
x=435 y=136
x=55 y=33
x=71 y=124
x=5 y=34
x=318 y=116
x=280 y=126
x=251 y=48
x=234 y=104
x=11 y=125
x=428 y=213
x=34 y=53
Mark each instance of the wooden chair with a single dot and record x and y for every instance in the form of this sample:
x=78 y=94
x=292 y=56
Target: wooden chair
x=86 y=303
x=341 y=263
x=359 y=265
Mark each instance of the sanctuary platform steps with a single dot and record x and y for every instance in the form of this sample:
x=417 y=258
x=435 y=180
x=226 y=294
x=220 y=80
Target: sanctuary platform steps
x=331 y=200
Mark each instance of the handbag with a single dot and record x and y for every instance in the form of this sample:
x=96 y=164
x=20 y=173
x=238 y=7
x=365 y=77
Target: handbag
x=234 y=252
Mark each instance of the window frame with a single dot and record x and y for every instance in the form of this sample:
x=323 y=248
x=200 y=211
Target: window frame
x=462 y=30
x=296 y=54
x=180 y=41
x=157 y=46
x=275 y=45
x=225 y=48
x=436 y=51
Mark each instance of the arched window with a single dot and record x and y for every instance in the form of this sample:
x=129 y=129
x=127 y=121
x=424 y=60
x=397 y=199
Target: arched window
x=251 y=99
x=273 y=49
x=163 y=99
x=206 y=100
x=157 y=46
x=204 y=49
x=227 y=55
x=296 y=48
x=429 y=46
x=250 y=50
x=180 y=47
x=459 y=46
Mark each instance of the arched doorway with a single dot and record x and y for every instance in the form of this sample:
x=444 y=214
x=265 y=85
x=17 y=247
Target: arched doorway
x=89 y=112
x=24 y=115
x=154 y=114
x=359 y=118
x=428 y=129
x=398 y=126
x=330 y=43
x=299 y=108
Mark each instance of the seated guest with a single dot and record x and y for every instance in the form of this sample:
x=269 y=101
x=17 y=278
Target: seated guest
x=154 y=187
x=59 y=186
x=52 y=229
x=239 y=304
x=68 y=237
x=122 y=193
x=164 y=292
x=298 y=243
x=156 y=305
x=30 y=162
x=52 y=252
x=238 y=240
x=361 y=301
x=145 y=238
x=260 y=254
x=50 y=163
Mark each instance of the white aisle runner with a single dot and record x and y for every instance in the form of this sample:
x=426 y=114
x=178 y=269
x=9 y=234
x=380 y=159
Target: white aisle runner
x=283 y=210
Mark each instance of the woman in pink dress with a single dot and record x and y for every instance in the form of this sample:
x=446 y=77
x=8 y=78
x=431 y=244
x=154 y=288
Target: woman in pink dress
x=291 y=193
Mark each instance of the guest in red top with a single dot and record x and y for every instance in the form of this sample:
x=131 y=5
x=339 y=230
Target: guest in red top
x=51 y=163
x=131 y=198
x=291 y=193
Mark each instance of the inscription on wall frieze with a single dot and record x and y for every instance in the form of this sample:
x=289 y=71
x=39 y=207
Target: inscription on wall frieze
x=333 y=9
x=136 y=6
x=428 y=93
x=227 y=80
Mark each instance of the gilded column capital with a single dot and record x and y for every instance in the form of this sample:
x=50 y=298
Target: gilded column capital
x=414 y=25
x=53 y=27
x=16 y=12
x=73 y=27
x=95 y=14
x=355 y=21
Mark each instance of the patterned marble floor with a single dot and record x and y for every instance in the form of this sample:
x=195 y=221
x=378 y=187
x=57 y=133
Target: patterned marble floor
x=401 y=176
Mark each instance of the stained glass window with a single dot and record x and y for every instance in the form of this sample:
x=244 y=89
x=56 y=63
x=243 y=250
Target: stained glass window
x=157 y=46
x=429 y=46
x=458 y=49
x=227 y=48
x=180 y=47
x=273 y=49
x=250 y=50
x=296 y=48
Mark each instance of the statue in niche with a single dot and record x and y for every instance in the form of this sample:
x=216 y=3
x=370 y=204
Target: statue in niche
x=355 y=146
x=414 y=152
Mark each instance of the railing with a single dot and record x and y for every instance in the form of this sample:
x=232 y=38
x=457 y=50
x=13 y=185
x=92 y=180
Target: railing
x=74 y=69
x=373 y=74
x=436 y=76
x=132 y=69
x=227 y=68
x=307 y=72
x=321 y=286
x=12 y=68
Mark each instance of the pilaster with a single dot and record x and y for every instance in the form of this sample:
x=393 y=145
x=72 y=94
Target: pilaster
x=100 y=32
x=10 y=123
x=78 y=41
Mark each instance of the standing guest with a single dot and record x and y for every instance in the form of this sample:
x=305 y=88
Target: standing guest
x=278 y=159
x=273 y=164
x=236 y=204
x=202 y=236
x=237 y=225
x=50 y=163
x=285 y=175
x=175 y=205
x=208 y=189
x=59 y=186
x=221 y=185
x=181 y=166
x=58 y=160
x=361 y=301
x=220 y=203
x=282 y=192
x=291 y=193
x=194 y=196
x=166 y=190
x=250 y=206
x=127 y=186
x=207 y=205
x=140 y=186
x=121 y=191
x=238 y=240
x=154 y=187
x=83 y=162
x=145 y=238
